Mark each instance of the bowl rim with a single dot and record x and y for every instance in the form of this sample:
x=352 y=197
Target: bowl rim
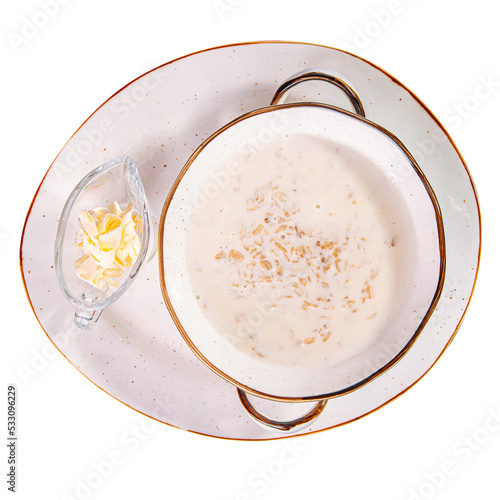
x=442 y=254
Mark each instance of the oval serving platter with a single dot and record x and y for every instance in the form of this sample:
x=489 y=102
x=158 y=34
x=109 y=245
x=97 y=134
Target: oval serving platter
x=135 y=352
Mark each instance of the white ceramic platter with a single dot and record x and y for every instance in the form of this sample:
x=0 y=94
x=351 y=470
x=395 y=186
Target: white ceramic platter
x=135 y=352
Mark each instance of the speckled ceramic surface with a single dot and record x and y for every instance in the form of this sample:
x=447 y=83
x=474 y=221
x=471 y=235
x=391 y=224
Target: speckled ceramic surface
x=135 y=352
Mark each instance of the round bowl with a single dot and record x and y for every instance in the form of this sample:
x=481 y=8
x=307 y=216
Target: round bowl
x=394 y=177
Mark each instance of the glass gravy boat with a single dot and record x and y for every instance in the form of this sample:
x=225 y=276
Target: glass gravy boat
x=118 y=181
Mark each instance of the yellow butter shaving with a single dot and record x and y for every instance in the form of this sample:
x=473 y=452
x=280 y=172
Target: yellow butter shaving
x=110 y=242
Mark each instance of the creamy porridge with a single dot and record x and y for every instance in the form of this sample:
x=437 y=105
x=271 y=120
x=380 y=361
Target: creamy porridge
x=298 y=259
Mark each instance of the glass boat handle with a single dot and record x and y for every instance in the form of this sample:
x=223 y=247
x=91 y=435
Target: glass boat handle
x=320 y=75
x=86 y=318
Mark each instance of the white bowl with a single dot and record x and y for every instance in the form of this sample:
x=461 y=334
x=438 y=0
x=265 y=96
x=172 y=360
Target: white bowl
x=424 y=271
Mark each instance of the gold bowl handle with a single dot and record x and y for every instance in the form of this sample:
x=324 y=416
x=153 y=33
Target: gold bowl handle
x=316 y=75
x=291 y=425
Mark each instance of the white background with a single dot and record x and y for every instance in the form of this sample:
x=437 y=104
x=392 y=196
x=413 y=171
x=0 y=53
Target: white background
x=89 y=49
